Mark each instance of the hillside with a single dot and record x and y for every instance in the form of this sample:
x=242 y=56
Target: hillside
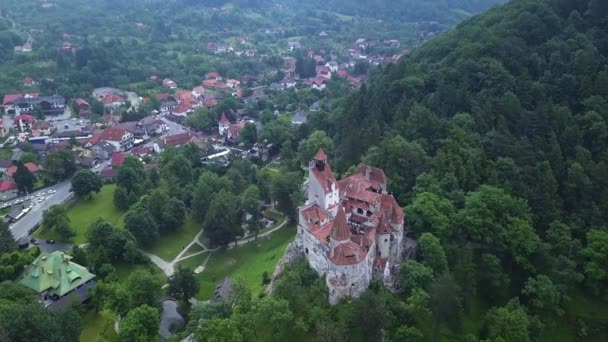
x=496 y=135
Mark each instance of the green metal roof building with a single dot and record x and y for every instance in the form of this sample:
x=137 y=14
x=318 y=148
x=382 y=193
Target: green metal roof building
x=54 y=276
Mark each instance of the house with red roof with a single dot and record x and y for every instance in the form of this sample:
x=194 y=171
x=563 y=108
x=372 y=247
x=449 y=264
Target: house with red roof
x=153 y=78
x=232 y=83
x=7 y=186
x=117 y=159
x=182 y=109
x=28 y=82
x=23 y=122
x=213 y=75
x=178 y=140
x=119 y=137
x=31 y=167
x=198 y=91
x=169 y=83
x=113 y=101
x=342 y=73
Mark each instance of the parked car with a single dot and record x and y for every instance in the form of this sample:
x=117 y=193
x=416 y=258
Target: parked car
x=50 y=242
x=52 y=191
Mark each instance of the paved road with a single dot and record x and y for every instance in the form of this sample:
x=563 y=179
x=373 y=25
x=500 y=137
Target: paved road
x=22 y=227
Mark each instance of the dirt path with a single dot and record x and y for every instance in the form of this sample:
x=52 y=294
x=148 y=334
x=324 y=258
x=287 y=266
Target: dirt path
x=169 y=267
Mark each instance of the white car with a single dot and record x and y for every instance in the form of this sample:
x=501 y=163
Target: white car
x=52 y=191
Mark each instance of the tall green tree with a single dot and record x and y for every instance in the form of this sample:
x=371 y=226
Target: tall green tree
x=7 y=241
x=85 y=183
x=182 y=284
x=140 y=324
x=222 y=224
x=23 y=178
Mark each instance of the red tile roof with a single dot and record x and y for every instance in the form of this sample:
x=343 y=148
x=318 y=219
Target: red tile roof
x=33 y=168
x=113 y=134
x=224 y=120
x=340 y=230
x=6 y=186
x=118 y=158
x=112 y=98
x=81 y=102
x=28 y=80
x=94 y=139
x=348 y=253
x=321 y=156
x=108 y=173
x=24 y=117
x=175 y=140
x=10 y=98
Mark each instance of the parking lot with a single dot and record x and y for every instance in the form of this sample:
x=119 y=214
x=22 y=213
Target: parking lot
x=30 y=200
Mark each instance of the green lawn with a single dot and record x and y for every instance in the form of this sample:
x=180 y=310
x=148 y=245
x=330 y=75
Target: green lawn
x=247 y=262
x=194 y=249
x=194 y=262
x=168 y=246
x=98 y=326
x=85 y=212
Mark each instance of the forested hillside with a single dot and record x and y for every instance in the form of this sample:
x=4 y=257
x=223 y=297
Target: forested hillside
x=495 y=136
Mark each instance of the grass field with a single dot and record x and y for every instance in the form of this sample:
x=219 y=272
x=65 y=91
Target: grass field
x=168 y=247
x=98 y=326
x=85 y=212
x=248 y=262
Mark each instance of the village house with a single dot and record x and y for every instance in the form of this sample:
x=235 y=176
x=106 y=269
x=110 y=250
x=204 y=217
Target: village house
x=42 y=127
x=198 y=91
x=103 y=150
x=291 y=46
x=57 y=280
x=29 y=82
x=351 y=231
x=178 y=140
x=23 y=123
x=299 y=118
x=119 y=137
x=8 y=190
x=332 y=66
x=27 y=103
x=152 y=125
x=168 y=83
x=232 y=83
x=31 y=167
x=231 y=132
x=82 y=107
x=117 y=159
x=108 y=174
x=113 y=101
x=213 y=75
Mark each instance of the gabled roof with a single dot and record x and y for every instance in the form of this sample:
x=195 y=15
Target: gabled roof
x=224 y=120
x=175 y=140
x=321 y=156
x=33 y=168
x=81 y=102
x=118 y=158
x=55 y=273
x=6 y=186
x=108 y=172
x=113 y=134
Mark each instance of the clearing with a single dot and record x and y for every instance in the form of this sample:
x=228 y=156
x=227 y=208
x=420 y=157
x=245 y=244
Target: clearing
x=84 y=212
x=248 y=261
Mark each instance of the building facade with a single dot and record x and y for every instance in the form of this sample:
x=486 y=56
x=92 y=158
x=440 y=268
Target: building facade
x=352 y=230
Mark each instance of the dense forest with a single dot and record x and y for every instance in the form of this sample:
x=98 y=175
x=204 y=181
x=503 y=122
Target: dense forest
x=495 y=134
x=494 y=138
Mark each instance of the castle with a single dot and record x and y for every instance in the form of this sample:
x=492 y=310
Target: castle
x=351 y=231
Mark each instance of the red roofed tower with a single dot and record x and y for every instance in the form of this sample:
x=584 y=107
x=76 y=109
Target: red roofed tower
x=340 y=233
x=223 y=125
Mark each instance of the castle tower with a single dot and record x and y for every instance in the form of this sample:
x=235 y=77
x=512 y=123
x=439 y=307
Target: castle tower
x=340 y=232
x=223 y=125
x=322 y=185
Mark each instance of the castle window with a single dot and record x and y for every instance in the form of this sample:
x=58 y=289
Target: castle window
x=359 y=211
x=385 y=240
x=306 y=251
x=369 y=213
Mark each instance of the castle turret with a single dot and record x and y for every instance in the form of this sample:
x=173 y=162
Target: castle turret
x=320 y=159
x=340 y=232
x=223 y=124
